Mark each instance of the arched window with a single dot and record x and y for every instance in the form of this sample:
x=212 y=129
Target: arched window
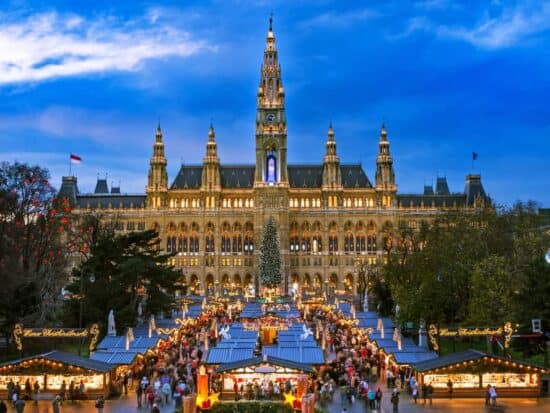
x=348 y=243
x=237 y=243
x=248 y=244
x=271 y=167
x=209 y=247
x=332 y=243
x=360 y=244
x=194 y=244
x=317 y=244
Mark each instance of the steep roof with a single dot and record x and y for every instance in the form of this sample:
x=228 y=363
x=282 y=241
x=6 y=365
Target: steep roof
x=237 y=176
x=473 y=189
x=299 y=176
x=69 y=189
x=305 y=176
x=188 y=177
x=417 y=200
x=353 y=176
x=101 y=187
x=104 y=201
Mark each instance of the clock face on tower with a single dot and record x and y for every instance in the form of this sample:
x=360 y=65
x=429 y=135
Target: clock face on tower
x=270 y=118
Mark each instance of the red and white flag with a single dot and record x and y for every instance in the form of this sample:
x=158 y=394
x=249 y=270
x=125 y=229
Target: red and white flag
x=75 y=158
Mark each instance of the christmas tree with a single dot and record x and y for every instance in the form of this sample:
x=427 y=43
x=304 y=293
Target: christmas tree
x=270 y=256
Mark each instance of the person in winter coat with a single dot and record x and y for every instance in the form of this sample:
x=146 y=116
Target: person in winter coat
x=395 y=401
x=55 y=404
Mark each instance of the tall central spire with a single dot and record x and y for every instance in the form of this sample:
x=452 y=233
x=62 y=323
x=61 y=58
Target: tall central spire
x=270 y=91
x=271 y=119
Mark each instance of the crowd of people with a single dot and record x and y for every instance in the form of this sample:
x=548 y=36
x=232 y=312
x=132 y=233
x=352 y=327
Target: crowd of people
x=354 y=370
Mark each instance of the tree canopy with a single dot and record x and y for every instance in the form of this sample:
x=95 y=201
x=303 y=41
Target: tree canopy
x=120 y=272
x=472 y=268
x=32 y=248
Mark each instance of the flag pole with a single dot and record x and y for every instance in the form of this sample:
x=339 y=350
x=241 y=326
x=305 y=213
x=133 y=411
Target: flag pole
x=70 y=162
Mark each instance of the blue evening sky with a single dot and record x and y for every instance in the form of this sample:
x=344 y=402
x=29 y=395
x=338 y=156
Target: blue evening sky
x=448 y=77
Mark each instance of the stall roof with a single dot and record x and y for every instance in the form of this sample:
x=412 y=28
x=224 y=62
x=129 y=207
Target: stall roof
x=448 y=359
x=405 y=357
x=115 y=357
x=65 y=358
x=252 y=310
x=119 y=342
x=219 y=355
x=268 y=360
x=462 y=356
x=303 y=355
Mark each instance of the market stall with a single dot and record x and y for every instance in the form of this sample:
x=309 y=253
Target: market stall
x=471 y=371
x=257 y=370
x=53 y=368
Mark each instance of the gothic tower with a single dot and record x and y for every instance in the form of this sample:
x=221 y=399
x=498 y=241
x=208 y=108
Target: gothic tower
x=210 y=182
x=271 y=129
x=332 y=176
x=157 y=183
x=385 y=176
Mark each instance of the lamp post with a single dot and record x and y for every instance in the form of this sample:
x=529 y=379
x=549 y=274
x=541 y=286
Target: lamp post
x=92 y=280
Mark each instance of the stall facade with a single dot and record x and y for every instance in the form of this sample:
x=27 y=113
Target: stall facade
x=257 y=370
x=471 y=371
x=53 y=368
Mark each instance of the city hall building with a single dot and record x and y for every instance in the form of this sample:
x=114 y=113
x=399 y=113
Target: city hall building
x=330 y=216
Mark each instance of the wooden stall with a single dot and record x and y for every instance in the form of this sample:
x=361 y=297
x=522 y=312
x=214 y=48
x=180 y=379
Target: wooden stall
x=53 y=368
x=471 y=371
x=257 y=370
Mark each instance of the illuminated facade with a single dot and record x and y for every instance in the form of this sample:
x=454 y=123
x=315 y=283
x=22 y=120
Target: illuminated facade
x=329 y=215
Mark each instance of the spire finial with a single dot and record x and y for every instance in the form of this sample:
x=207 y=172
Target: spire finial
x=271 y=21
x=383 y=132
x=211 y=134
x=330 y=132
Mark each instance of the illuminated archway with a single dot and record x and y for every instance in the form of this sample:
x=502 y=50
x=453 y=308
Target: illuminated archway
x=194 y=284
x=209 y=285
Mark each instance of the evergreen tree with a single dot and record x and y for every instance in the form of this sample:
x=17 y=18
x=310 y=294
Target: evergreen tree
x=127 y=269
x=270 y=256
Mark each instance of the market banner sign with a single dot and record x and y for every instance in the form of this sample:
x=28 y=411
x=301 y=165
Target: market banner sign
x=20 y=332
x=434 y=333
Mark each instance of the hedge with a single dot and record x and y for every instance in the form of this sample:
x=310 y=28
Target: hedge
x=251 y=407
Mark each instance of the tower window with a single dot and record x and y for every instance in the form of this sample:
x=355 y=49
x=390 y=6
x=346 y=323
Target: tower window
x=271 y=168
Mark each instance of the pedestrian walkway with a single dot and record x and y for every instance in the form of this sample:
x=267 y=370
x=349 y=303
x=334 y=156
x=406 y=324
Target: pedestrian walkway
x=128 y=405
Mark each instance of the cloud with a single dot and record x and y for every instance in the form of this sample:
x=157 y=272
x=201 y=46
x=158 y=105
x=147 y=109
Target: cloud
x=50 y=45
x=338 y=20
x=509 y=27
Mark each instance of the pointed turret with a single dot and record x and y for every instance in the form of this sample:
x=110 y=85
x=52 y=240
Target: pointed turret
x=332 y=176
x=157 y=183
x=271 y=128
x=385 y=176
x=211 y=163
